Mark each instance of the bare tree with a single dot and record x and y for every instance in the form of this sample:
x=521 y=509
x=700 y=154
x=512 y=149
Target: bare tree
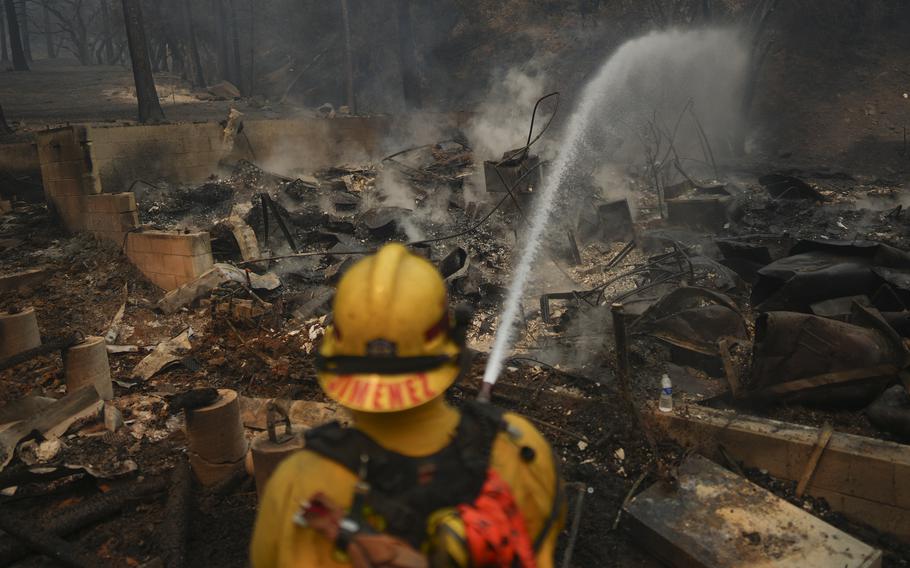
x=73 y=22
x=15 y=39
x=197 y=74
x=223 y=39
x=407 y=56
x=5 y=128
x=22 y=11
x=348 y=56
x=48 y=31
x=4 y=54
x=108 y=32
x=236 y=74
x=759 y=47
x=149 y=106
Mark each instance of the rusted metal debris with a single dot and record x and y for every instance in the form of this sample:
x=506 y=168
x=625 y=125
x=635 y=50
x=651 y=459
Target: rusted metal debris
x=807 y=358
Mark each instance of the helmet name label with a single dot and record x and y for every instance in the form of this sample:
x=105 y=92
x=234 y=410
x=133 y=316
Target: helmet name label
x=382 y=394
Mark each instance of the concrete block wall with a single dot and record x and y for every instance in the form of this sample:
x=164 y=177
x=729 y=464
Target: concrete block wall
x=191 y=152
x=111 y=216
x=176 y=153
x=66 y=173
x=170 y=259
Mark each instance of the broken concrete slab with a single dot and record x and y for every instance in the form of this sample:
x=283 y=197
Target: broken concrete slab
x=858 y=476
x=713 y=518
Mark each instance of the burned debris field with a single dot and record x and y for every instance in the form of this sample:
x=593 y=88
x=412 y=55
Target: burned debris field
x=672 y=237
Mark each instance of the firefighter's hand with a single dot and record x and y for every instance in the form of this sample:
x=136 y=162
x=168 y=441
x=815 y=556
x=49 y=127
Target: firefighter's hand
x=366 y=550
x=383 y=551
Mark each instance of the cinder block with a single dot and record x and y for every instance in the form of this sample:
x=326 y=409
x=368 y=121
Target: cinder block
x=136 y=243
x=166 y=282
x=187 y=267
x=62 y=188
x=123 y=202
x=54 y=171
x=121 y=222
x=181 y=244
x=115 y=237
x=60 y=145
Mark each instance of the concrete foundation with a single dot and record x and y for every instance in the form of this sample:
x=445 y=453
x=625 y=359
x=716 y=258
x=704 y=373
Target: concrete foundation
x=87 y=363
x=88 y=170
x=18 y=332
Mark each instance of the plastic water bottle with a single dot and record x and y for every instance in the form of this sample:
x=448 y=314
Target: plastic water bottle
x=666 y=394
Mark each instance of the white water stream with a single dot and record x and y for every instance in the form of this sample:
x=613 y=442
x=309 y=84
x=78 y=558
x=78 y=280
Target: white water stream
x=652 y=73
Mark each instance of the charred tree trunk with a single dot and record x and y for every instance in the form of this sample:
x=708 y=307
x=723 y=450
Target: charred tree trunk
x=48 y=33
x=149 y=106
x=5 y=128
x=81 y=37
x=252 y=73
x=4 y=54
x=348 y=57
x=15 y=40
x=22 y=9
x=236 y=72
x=108 y=33
x=223 y=39
x=759 y=50
x=192 y=46
x=407 y=57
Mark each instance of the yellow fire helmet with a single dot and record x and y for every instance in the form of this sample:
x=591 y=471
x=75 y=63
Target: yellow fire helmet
x=390 y=346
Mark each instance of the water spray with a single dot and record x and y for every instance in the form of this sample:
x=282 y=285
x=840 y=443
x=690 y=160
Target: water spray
x=639 y=68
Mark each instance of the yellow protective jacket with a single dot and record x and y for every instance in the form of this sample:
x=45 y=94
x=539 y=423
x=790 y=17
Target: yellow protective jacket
x=536 y=486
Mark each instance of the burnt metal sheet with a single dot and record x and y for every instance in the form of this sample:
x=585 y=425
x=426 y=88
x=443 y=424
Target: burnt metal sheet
x=522 y=174
x=605 y=221
x=817 y=271
x=891 y=412
x=691 y=321
x=792 y=346
x=782 y=186
x=839 y=308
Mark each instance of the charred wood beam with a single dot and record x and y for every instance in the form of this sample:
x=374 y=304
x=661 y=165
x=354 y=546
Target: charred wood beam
x=48 y=544
x=83 y=515
x=49 y=347
x=177 y=514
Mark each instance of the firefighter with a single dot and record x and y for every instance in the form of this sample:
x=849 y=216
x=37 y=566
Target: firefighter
x=413 y=481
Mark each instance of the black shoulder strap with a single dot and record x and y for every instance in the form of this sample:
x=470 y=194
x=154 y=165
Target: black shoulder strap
x=339 y=444
x=401 y=490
